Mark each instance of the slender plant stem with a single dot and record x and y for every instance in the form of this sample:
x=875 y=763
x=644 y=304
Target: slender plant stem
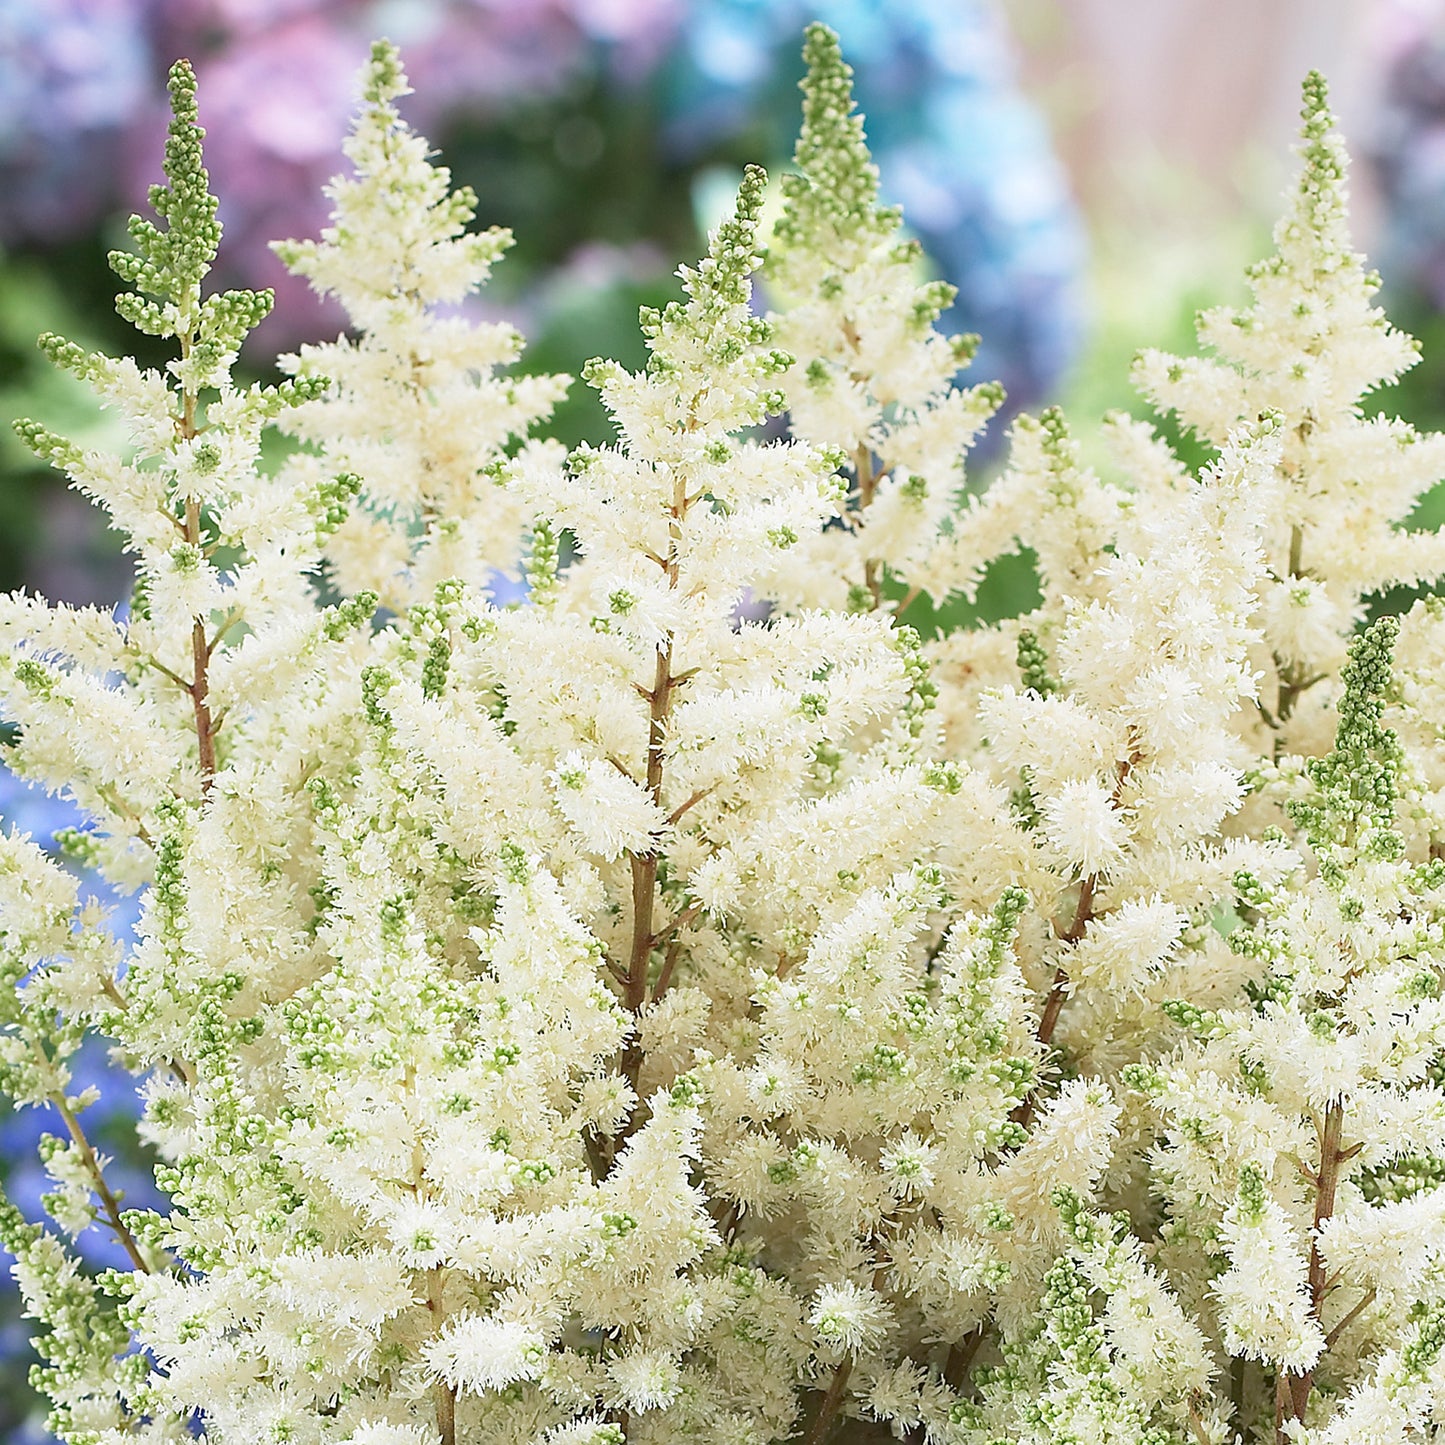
x=837 y=1390
x=1070 y=936
x=1237 y=1382
x=868 y=475
x=832 y=1402
x=644 y=865
x=664 y=978
x=1196 y=1425
x=692 y=911
x=961 y=1354
x=1341 y=1325
x=1296 y=1388
x=199 y=686
x=108 y=1201
x=444 y=1397
x=696 y=798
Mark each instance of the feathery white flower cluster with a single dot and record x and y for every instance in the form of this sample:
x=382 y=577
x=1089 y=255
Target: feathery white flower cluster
x=608 y=1019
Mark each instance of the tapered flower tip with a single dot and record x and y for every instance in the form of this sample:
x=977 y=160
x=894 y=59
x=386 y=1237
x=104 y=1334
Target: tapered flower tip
x=1315 y=112
x=383 y=79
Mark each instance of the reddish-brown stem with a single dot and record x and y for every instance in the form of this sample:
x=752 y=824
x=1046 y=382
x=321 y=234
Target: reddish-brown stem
x=164 y=671
x=693 y=910
x=200 y=704
x=644 y=865
x=108 y=1202
x=693 y=801
x=222 y=628
x=1070 y=936
x=1059 y=988
x=837 y=1389
x=909 y=598
x=1295 y=1394
x=1058 y=991
x=1345 y=1321
x=598 y=1159
x=446 y=1402
x=443 y=1397
x=1331 y=1156
x=1196 y=1425
x=867 y=489
x=1237 y=1384
x=832 y=1401
x=198 y=687
x=664 y=978
x=1283 y=1406
x=960 y=1357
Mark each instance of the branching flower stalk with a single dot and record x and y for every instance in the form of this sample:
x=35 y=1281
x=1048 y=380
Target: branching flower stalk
x=609 y=1018
x=870 y=375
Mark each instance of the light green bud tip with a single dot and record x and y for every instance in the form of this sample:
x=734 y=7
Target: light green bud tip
x=831 y=144
x=385 y=79
x=1315 y=112
x=1321 y=183
x=838 y=185
x=187 y=204
x=734 y=252
x=1251 y=1193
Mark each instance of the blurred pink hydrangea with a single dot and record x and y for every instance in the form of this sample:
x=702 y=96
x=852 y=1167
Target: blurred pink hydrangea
x=83 y=112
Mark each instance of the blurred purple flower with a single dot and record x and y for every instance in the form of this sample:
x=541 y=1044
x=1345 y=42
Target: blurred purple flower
x=80 y=86
x=73 y=75
x=275 y=103
x=1409 y=151
x=83 y=109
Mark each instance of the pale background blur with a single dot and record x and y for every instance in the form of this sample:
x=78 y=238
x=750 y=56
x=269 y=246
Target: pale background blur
x=1207 y=90
x=1175 y=121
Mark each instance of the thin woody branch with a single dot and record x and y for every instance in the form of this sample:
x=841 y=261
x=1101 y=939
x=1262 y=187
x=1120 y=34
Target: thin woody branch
x=109 y=1202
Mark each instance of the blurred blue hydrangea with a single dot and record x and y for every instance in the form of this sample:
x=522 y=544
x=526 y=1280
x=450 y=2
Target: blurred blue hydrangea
x=958 y=145
x=111 y=1122
x=74 y=75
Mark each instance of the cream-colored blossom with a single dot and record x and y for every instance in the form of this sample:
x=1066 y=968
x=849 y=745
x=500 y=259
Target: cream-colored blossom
x=617 y=1018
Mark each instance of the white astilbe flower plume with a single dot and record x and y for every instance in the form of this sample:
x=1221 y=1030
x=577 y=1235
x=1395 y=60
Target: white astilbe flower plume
x=611 y=814
x=1263 y=1298
x=626 y=1016
x=476 y=1353
x=849 y=1317
x=415 y=412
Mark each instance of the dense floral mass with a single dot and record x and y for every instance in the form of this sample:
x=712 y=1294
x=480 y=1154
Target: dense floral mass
x=617 y=1018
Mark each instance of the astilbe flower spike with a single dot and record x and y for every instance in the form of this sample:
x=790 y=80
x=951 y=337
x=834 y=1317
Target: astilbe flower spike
x=615 y=1018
